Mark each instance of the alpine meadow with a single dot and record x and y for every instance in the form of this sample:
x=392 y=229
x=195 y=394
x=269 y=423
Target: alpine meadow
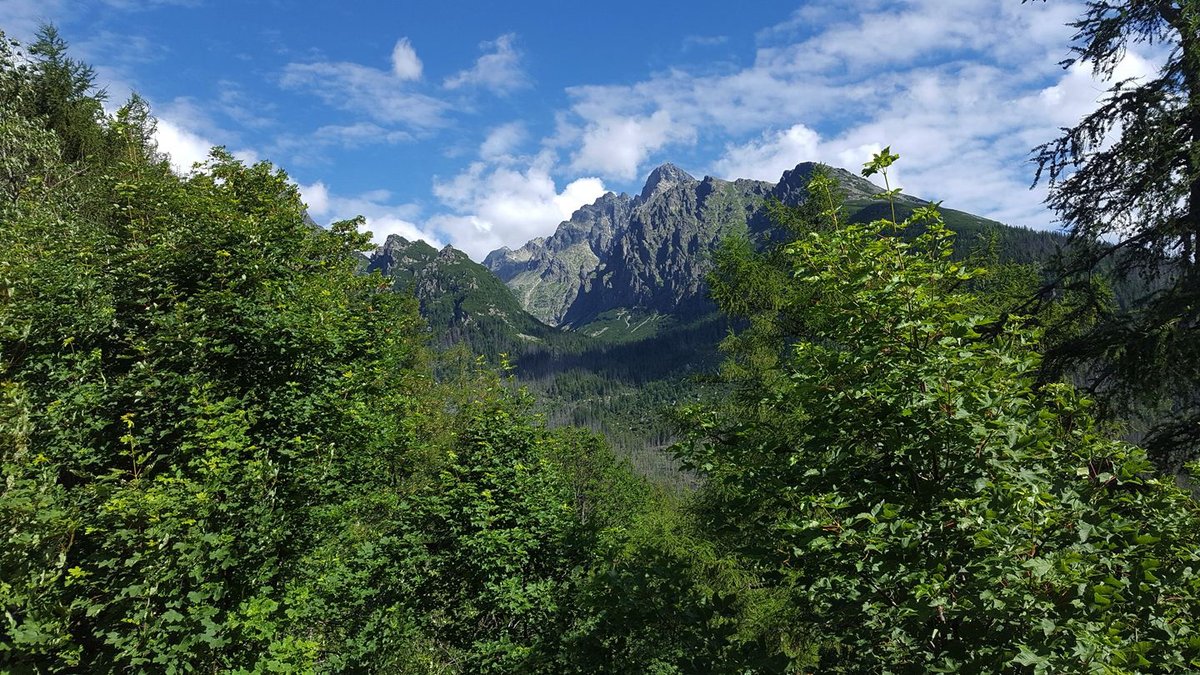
x=544 y=417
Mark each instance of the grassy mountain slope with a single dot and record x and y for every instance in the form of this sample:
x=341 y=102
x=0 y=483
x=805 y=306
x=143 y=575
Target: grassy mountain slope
x=463 y=302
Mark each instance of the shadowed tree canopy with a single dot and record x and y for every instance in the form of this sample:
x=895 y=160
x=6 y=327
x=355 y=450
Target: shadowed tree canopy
x=1126 y=183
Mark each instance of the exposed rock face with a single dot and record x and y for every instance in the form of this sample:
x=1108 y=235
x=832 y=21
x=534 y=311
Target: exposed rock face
x=444 y=281
x=648 y=253
x=398 y=253
x=547 y=274
x=658 y=260
x=791 y=187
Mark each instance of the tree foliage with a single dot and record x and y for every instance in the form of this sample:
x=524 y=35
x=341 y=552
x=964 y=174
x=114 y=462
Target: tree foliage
x=889 y=465
x=1126 y=183
x=224 y=448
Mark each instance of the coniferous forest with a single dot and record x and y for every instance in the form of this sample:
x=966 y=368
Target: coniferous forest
x=888 y=438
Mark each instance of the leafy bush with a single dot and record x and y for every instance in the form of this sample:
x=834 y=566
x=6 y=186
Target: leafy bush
x=889 y=464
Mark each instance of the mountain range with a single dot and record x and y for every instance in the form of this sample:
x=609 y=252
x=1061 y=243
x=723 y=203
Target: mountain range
x=607 y=318
x=621 y=266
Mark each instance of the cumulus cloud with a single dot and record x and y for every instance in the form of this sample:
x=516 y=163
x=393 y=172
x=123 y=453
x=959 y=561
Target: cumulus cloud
x=617 y=146
x=183 y=147
x=1078 y=93
x=577 y=193
x=186 y=147
x=504 y=206
x=498 y=70
x=316 y=198
x=405 y=64
x=503 y=141
x=383 y=217
x=767 y=157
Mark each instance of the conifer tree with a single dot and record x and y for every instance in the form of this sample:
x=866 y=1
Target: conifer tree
x=1125 y=181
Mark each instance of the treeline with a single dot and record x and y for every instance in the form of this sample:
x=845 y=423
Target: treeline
x=224 y=448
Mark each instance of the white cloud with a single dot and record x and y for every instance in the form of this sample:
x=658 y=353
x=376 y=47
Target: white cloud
x=767 y=157
x=246 y=111
x=1077 y=93
x=316 y=198
x=184 y=147
x=405 y=64
x=246 y=156
x=20 y=18
x=502 y=141
x=617 y=146
x=357 y=135
x=378 y=94
x=312 y=148
x=577 y=193
x=471 y=234
x=383 y=218
x=498 y=70
x=382 y=226
x=503 y=206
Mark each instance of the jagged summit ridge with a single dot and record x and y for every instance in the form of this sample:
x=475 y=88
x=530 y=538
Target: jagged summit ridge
x=647 y=252
x=664 y=178
x=792 y=186
x=649 y=255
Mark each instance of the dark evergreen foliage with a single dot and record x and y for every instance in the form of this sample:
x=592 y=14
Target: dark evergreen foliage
x=1126 y=182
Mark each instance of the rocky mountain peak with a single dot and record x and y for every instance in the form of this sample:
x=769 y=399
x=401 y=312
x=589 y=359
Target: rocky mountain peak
x=495 y=257
x=648 y=256
x=792 y=186
x=398 y=252
x=398 y=245
x=450 y=253
x=664 y=178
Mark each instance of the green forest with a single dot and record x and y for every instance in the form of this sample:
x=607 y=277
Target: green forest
x=227 y=446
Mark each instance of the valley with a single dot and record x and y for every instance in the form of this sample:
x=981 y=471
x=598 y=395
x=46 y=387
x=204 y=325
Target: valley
x=608 y=321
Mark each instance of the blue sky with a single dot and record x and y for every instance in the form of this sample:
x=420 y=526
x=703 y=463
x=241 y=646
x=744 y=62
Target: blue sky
x=483 y=124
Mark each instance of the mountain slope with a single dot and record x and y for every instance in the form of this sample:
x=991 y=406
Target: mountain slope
x=461 y=300
x=631 y=259
x=607 y=321
x=626 y=267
